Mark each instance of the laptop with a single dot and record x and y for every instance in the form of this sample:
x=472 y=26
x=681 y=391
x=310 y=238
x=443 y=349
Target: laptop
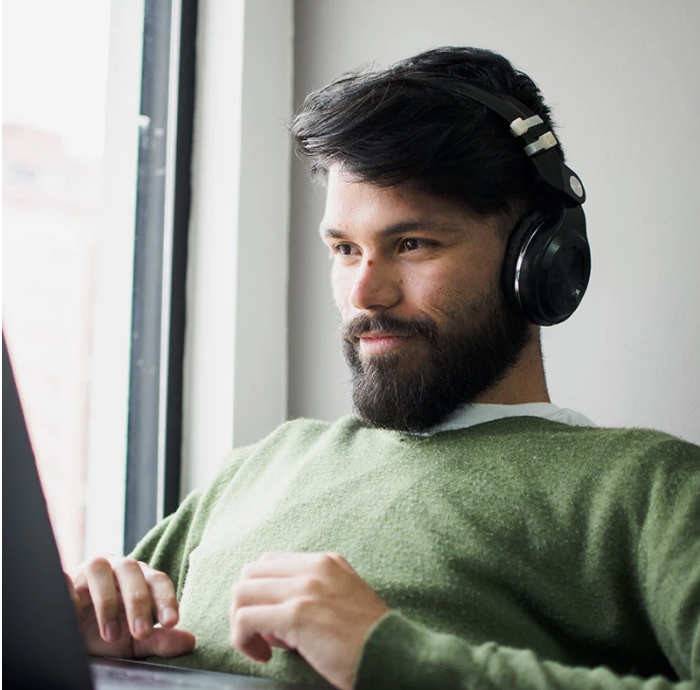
x=41 y=643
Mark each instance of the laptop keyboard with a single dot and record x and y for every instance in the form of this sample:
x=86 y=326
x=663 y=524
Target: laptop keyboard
x=109 y=674
x=150 y=678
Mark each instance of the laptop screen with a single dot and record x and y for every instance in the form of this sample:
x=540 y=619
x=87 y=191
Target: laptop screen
x=41 y=642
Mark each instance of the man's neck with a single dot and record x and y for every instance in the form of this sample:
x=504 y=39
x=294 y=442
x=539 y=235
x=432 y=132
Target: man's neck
x=524 y=383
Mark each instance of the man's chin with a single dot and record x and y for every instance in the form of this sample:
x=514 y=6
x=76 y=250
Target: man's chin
x=389 y=392
x=419 y=384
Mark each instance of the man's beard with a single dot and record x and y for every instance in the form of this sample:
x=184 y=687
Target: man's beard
x=412 y=391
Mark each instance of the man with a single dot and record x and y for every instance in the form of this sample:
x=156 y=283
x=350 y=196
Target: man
x=460 y=530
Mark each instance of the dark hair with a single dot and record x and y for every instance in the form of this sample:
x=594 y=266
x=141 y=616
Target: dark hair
x=409 y=124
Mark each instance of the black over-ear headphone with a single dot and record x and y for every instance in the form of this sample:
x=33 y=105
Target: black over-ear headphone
x=548 y=260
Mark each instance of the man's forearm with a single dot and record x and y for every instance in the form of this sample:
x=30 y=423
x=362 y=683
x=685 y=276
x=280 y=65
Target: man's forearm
x=399 y=653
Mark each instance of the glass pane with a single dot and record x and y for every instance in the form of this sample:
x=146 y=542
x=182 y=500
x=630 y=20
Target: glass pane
x=54 y=88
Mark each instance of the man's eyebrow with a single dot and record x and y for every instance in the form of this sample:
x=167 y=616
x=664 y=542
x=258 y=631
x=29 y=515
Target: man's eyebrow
x=402 y=227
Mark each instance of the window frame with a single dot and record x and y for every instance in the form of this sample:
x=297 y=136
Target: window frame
x=160 y=262
x=136 y=374
x=111 y=342
x=224 y=235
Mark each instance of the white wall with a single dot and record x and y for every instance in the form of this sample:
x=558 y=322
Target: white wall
x=622 y=79
x=236 y=338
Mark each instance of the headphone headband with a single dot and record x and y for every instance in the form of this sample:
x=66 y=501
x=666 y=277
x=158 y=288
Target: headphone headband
x=548 y=262
x=540 y=142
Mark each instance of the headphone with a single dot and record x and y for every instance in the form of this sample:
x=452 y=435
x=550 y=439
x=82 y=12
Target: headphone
x=548 y=260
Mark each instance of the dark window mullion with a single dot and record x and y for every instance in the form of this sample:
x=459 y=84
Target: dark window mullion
x=142 y=484
x=185 y=129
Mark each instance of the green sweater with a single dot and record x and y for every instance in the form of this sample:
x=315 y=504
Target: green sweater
x=520 y=553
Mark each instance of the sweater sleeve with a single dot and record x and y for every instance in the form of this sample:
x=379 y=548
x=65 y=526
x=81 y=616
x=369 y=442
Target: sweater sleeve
x=401 y=654
x=167 y=547
x=665 y=520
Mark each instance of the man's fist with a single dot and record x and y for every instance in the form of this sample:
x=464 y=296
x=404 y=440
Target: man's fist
x=314 y=603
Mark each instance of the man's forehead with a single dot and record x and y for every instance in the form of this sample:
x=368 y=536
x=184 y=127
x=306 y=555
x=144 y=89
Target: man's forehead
x=353 y=203
x=345 y=193
x=429 y=225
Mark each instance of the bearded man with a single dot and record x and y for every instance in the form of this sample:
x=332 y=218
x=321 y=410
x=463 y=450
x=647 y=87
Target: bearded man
x=459 y=530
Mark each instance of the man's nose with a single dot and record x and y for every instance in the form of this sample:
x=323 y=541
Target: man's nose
x=376 y=286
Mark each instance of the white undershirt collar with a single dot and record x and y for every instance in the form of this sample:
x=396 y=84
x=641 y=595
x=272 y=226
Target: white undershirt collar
x=471 y=415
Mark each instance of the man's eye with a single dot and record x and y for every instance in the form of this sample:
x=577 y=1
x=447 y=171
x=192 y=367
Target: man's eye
x=342 y=249
x=411 y=244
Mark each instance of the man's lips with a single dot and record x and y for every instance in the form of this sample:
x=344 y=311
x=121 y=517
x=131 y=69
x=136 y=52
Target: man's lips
x=380 y=343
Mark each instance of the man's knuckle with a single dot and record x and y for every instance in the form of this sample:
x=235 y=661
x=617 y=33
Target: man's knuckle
x=109 y=602
x=139 y=598
x=314 y=585
x=340 y=559
x=240 y=618
x=77 y=581
x=236 y=627
x=236 y=596
x=298 y=611
x=125 y=563
x=158 y=579
x=320 y=559
x=325 y=563
x=97 y=563
x=167 y=599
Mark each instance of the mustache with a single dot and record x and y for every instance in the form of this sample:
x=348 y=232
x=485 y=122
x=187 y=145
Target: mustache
x=386 y=323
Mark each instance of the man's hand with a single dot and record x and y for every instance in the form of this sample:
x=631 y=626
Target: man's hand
x=117 y=601
x=314 y=603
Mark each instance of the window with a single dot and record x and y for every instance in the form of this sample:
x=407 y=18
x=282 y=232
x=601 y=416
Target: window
x=96 y=144
x=55 y=78
x=114 y=373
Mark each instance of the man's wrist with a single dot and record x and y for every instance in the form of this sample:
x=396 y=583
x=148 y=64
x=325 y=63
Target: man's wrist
x=400 y=653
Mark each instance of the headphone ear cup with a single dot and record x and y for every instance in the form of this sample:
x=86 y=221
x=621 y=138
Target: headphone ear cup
x=548 y=264
x=520 y=238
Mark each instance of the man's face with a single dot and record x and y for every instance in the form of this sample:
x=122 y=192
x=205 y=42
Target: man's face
x=417 y=282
